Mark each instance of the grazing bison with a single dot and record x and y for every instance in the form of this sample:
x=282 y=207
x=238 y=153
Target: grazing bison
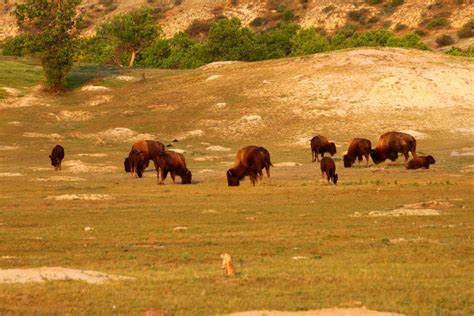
x=57 y=155
x=359 y=147
x=175 y=164
x=136 y=162
x=392 y=143
x=421 y=162
x=250 y=161
x=150 y=150
x=328 y=167
x=321 y=145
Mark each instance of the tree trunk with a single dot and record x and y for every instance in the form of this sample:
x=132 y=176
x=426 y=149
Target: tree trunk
x=132 y=58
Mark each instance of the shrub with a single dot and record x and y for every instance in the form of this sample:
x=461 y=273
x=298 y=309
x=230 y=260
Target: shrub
x=308 y=41
x=444 y=40
x=396 y=3
x=288 y=15
x=408 y=41
x=15 y=46
x=259 y=21
x=400 y=27
x=421 y=32
x=373 y=2
x=358 y=15
x=435 y=23
x=276 y=42
x=456 y=51
x=467 y=30
x=197 y=28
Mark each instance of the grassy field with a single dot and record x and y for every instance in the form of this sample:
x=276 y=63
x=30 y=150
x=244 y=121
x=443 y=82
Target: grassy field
x=297 y=242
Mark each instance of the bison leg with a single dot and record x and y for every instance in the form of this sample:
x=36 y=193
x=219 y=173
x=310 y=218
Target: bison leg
x=406 y=156
x=313 y=156
x=366 y=160
x=413 y=152
x=173 y=177
x=159 y=176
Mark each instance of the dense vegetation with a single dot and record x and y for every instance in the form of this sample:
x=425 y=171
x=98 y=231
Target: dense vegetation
x=135 y=39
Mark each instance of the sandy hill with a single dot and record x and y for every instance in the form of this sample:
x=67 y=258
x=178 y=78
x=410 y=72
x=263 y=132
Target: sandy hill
x=176 y=16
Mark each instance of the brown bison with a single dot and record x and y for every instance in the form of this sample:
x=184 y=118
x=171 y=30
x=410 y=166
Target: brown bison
x=421 y=162
x=321 y=145
x=358 y=148
x=175 y=164
x=392 y=143
x=57 y=155
x=150 y=150
x=328 y=167
x=250 y=161
x=136 y=162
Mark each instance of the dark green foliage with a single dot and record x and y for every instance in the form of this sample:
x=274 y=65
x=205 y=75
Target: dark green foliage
x=400 y=27
x=15 y=46
x=276 y=42
x=373 y=2
x=456 y=51
x=52 y=30
x=288 y=15
x=308 y=41
x=130 y=33
x=435 y=23
x=467 y=30
x=396 y=3
x=444 y=40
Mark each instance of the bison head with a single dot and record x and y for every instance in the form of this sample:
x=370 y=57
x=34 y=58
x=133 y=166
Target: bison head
x=376 y=157
x=54 y=161
x=186 y=179
x=347 y=161
x=431 y=160
x=334 y=178
x=332 y=148
x=232 y=178
x=126 y=164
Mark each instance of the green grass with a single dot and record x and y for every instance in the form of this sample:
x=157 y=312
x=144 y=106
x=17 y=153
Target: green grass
x=18 y=73
x=349 y=258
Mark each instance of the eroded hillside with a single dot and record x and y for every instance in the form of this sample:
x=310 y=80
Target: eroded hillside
x=176 y=16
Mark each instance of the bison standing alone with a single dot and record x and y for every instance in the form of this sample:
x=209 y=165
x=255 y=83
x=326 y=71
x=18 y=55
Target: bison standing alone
x=250 y=161
x=421 y=162
x=175 y=164
x=359 y=147
x=328 y=167
x=392 y=143
x=57 y=155
x=321 y=145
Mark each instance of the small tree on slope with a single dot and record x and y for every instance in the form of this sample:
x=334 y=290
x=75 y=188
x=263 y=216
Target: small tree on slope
x=52 y=29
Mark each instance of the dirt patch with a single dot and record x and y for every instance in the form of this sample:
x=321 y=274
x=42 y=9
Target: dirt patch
x=468 y=169
x=19 y=101
x=44 y=274
x=465 y=130
x=126 y=78
x=218 y=64
x=115 y=135
x=15 y=123
x=462 y=152
x=74 y=115
x=95 y=88
x=321 y=312
x=163 y=107
x=402 y=241
x=98 y=155
x=85 y=197
x=12 y=91
x=77 y=166
x=10 y=174
x=217 y=148
x=194 y=133
x=207 y=158
x=177 y=150
x=8 y=147
x=213 y=77
x=58 y=178
x=41 y=135
x=429 y=208
x=100 y=99
x=416 y=134
x=287 y=164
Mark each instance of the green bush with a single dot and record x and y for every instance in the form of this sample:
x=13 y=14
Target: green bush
x=288 y=15
x=15 y=46
x=276 y=42
x=308 y=41
x=373 y=2
x=396 y=3
x=436 y=23
x=456 y=51
x=467 y=30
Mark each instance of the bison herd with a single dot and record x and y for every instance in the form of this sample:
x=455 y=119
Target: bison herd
x=252 y=160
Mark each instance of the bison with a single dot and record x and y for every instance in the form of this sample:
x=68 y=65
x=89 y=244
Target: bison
x=358 y=148
x=421 y=162
x=250 y=161
x=321 y=145
x=392 y=143
x=175 y=164
x=57 y=155
x=150 y=150
x=136 y=162
x=328 y=167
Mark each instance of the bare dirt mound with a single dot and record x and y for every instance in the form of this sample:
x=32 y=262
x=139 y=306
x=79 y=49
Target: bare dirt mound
x=115 y=135
x=77 y=166
x=55 y=274
x=429 y=208
x=86 y=197
x=320 y=312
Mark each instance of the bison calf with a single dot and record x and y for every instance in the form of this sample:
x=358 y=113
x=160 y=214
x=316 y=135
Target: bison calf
x=358 y=148
x=321 y=145
x=57 y=155
x=136 y=162
x=250 y=161
x=421 y=162
x=175 y=164
x=328 y=167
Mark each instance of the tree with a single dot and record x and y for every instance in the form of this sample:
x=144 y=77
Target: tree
x=131 y=32
x=51 y=27
x=308 y=41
